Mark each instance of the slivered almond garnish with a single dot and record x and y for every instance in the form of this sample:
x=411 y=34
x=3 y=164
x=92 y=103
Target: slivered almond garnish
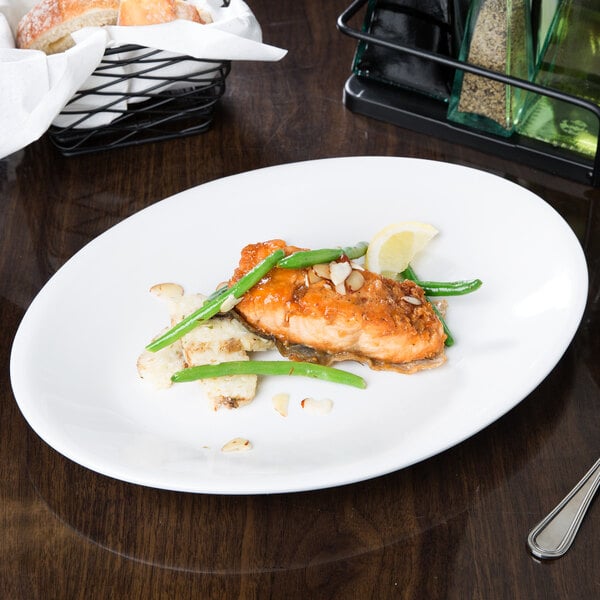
x=280 y=403
x=167 y=291
x=344 y=275
x=317 y=407
x=312 y=277
x=355 y=281
x=442 y=306
x=229 y=303
x=339 y=272
x=237 y=444
x=340 y=288
x=412 y=300
x=322 y=271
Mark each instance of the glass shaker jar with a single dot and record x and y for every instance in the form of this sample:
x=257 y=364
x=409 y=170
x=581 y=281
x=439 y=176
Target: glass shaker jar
x=498 y=38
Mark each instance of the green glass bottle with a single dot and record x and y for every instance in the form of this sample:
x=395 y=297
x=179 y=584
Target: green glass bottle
x=569 y=62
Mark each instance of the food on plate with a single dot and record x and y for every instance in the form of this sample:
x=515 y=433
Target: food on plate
x=315 y=406
x=220 y=340
x=281 y=403
x=269 y=367
x=394 y=247
x=238 y=444
x=49 y=24
x=310 y=258
x=443 y=288
x=221 y=301
x=391 y=252
x=383 y=323
x=409 y=275
x=317 y=307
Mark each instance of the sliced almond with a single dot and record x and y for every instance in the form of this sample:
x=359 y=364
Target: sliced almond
x=339 y=272
x=280 y=403
x=317 y=407
x=167 y=291
x=312 y=277
x=355 y=281
x=322 y=271
x=412 y=300
x=442 y=306
x=229 y=303
x=237 y=444
x=340 y=288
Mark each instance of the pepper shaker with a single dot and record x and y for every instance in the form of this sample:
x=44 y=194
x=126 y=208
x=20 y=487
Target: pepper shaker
x=498 y=38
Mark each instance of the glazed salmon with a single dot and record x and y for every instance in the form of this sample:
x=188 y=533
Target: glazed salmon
x=384 y=323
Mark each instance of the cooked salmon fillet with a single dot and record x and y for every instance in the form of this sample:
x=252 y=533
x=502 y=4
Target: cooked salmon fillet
x=385 y=324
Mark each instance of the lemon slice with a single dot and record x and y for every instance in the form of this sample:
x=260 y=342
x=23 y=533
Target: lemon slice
x=394 y=247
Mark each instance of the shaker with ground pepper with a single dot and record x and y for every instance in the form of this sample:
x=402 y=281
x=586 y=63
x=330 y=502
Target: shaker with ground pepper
x=498 y=38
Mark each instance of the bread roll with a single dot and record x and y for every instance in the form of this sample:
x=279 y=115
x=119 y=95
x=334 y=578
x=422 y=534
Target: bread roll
x=150 y=12
x=146 y=12
x=185 y=10
x=49 y=24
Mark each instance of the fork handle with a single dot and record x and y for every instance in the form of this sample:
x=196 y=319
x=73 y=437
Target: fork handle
x=553 y=536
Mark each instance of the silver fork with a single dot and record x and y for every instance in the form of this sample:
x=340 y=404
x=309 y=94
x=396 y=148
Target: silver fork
x=553 y=536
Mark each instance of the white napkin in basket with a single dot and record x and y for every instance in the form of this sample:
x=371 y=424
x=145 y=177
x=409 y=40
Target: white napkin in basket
x=34 y=88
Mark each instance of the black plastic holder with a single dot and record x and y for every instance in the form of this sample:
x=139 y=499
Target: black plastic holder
x=177 y=97
x=424 y=114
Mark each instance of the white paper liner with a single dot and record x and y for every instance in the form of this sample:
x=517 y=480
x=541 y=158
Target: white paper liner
x=34 y=87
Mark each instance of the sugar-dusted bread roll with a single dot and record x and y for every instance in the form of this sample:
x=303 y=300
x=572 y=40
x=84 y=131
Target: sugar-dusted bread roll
x=151 y=12
x=146 y=12
x=185 y=10
x=49 y=24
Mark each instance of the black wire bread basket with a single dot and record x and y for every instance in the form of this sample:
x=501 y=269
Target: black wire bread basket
x=138 y=95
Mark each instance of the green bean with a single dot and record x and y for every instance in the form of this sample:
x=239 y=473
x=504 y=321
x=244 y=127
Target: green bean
x=214 y=304
x=308 y=258
x=449 y=337
x=409 y=273
x=269 y=367
x=218 y=293
x=449 y=288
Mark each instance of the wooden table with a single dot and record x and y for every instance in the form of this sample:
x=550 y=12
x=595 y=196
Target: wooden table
x=453 y=526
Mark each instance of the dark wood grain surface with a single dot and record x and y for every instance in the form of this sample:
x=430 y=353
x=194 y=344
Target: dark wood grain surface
x=453 y=526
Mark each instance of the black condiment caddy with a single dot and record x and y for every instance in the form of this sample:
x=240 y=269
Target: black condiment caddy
x=426 y=111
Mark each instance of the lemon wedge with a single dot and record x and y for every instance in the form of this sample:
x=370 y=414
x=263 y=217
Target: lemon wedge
x=393 y=248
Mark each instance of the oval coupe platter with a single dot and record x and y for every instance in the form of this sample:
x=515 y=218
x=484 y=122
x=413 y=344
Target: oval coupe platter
x=73 y=361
